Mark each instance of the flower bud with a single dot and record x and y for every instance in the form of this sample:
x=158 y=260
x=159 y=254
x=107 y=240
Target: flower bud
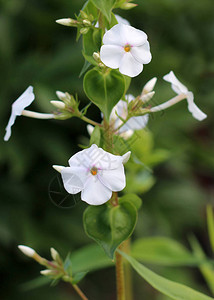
x=146 y=97
x=58 y=168
x=67 y=22
x=90 y=129
x=84 y=30
x=83 y=14
x=86 y=22
x=58 y=104
x=27 y=250
x=126 y=157
x=149 y=86
x=127 y=6
x=47 y=272
x=61 y=95
x=96 y=56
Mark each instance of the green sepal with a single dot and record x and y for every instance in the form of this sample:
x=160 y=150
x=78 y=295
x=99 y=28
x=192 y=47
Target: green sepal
x=110 y=226
x=95 y=136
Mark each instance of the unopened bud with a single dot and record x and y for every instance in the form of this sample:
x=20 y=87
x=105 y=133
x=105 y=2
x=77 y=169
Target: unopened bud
x=96 y=56
x=58 y=168
x=84 y=30
x=27 y=250
x=145 y=98
x=127 y=6
x=54 y=254
x=83 y=14
x=86 y=22
x=149 y=86
x=60 y=95
x=47 y=272
x=58 y=104
x=67 y=22
x=90 y=129
x=101 y=65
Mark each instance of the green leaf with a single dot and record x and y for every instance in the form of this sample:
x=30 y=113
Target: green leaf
x=91 y=43
x=95 y=136
x=78 y=277
x=104 y=89
x=110 y=226
x=132 y=198
x=206 y=269
x=85 y=67
x=163 y=251
x=105 y=6
x=89 y=258
x=210 y=224
x=167 y=287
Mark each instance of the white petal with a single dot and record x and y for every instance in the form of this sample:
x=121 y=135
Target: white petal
x=122 y=20
x=136 y=123
x=142 y=53
x=129 y=66
x=193 y=108
x=121 y=35
x=95 y=193
x=126 y=157
x=129 y=98
x=133 y=36
x=8 y=128
x=115 y=36
x=115 y=179
x=177 y=86
x=111 y=55
x=17 y=107
x=72 y=182
x=23 y=101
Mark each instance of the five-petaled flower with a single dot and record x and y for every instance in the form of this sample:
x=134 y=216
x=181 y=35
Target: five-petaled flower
x=17 y=108
x=126 y=48
x=95 y=173
x=179 y=89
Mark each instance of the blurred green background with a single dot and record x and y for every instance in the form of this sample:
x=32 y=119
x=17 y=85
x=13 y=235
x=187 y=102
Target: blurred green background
x=35 y=50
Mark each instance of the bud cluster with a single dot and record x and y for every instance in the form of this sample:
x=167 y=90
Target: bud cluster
x=83 y=22
x=68 y=106
x=54 y=268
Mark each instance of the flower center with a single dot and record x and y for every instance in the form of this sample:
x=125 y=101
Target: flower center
x=93 y=171
x=127 y=48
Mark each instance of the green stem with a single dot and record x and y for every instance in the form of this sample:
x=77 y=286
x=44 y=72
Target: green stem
x=87 y=120
x=128 y=272
x=120 y=278
x=79 y=292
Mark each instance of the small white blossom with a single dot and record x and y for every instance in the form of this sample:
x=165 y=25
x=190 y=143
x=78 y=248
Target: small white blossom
x=126 y=48
x=58 y=104
x=96 y=174
x=179 y=88
x=134 y=123
x=17 y=108
x=121 y=20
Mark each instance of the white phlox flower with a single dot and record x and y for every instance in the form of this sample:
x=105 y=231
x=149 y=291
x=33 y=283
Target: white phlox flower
x=17 y=108
x=126 y=48
x=134 y=123
x=95 y=173
x=179 y=88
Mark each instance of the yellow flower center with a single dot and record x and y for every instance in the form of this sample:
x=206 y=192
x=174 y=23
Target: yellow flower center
x=94 y=171
x=127 y=48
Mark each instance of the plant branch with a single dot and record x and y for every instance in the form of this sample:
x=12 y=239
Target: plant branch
x=87 y=120
x=79 y=292
x=120 y=276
